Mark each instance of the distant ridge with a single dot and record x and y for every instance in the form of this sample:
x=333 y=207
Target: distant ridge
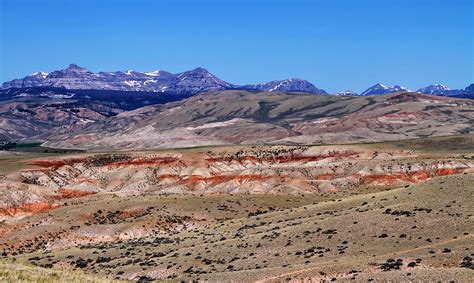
x=441 y=90
x=76 y=77
x=198 y=80
x=185 y=83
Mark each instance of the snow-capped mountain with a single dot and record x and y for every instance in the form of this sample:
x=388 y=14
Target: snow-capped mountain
x=442 y=90
x=382 y=89
x=28 y=81
x=159 y=73
x=191 y=82
x=434 y=89
x=75 y=77
x=286 y=85
x=347 y=93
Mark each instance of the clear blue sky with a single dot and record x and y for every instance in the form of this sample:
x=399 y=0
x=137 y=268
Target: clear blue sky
x=335 y=44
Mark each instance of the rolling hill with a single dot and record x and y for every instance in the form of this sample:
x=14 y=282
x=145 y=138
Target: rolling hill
x=243 y=117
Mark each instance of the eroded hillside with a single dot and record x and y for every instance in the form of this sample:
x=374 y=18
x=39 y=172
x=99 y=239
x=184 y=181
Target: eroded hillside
x=232 y=170
x=245 y=213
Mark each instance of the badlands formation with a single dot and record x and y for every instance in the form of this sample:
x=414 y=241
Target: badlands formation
x=376 y=211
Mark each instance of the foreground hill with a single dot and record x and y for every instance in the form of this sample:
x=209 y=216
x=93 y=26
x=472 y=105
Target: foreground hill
x=242 y=117
x=387 y=211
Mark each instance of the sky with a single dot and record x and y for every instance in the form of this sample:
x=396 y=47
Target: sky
x=335 y=44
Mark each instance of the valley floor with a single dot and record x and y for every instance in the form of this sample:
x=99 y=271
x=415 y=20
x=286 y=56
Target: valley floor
x=398 y=211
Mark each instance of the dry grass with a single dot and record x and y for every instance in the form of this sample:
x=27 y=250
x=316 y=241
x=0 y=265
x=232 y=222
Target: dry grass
x=321 y=240
x=14 y=272
x=353 y=234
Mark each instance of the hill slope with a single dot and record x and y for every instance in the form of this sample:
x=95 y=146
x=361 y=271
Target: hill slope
x=242 y=117
x=26 y=112
x=299 y=231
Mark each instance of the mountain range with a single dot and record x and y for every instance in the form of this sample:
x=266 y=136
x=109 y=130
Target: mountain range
x=192 y=82
x=181 y=84
x=75 y=77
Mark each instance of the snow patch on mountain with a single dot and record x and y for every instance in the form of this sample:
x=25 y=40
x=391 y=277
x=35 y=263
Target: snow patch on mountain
x=435 y=89
x=346 y=93
x=286 y=85
x=379 y=89
x=40 y=74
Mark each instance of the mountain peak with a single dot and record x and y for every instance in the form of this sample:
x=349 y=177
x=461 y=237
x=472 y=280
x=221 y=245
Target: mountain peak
x=436 y=89
x=469 y=89
x=291 y=84
x=75 y=67
x=200 y=70
x=440 y=86
x=40 y=74
x=379 y=85
x=379 y=89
